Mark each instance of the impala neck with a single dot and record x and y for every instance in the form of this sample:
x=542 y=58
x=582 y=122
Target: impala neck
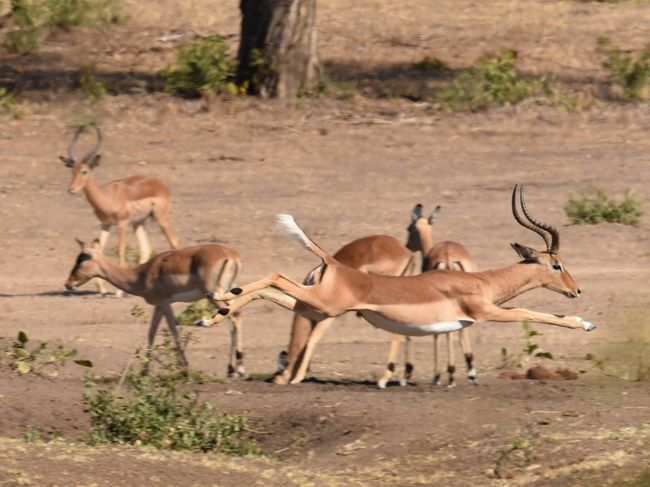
x=125 y=278
x=96 y=195
x=426 y=240
x=511 y=281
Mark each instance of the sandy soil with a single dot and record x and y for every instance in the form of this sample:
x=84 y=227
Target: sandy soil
x=345 y=169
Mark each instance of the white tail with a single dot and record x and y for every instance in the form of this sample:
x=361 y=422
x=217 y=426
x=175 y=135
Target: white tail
x=288 y=225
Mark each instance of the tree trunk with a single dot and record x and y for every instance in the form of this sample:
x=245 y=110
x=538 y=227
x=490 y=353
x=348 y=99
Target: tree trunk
x=277 y=52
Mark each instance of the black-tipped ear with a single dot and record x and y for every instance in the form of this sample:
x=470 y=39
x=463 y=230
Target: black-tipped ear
x=525 y=253
x=94 y=162
x=81 y=243
x=435 y=214
x=416 y=212
x=67 y=161
x=96 y=245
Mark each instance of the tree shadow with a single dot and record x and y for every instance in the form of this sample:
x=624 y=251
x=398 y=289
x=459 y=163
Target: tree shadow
x=61 y=294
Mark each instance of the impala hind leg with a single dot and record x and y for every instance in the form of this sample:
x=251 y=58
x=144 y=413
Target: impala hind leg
x=469 y=356
x=151 y=336
x=316 y=334
x=451 y=366
x=393 y=352
x=103 y=238
x=144 y=247
x=236 y=365
x=168 y=312
x=436 y=360
x=163 y=218
x=290 y=360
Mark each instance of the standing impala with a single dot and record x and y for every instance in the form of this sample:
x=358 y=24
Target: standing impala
x=425 y=304
x=131 y=200
x=446 y=255
x=184 y=275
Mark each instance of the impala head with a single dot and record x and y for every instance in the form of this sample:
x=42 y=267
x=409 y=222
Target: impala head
x=420 y=225
x=86 y=266
x=556 y=277
x=81 y=167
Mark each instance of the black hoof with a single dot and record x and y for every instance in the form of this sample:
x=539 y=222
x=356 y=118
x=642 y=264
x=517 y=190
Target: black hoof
x=223 y=311
x=236 y=291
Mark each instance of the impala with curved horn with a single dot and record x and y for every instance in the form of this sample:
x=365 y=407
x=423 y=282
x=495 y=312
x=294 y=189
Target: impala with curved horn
x=131 y=200
x=426 y=304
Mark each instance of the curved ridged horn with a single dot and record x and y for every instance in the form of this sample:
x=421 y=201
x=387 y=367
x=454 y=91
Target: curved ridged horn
x=530 y=226
x=73 y=142
x=554 y=246
x=93 y=152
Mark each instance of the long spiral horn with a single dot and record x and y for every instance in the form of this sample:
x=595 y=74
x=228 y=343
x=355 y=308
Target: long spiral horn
x=93 y=152
x=530 y=225
x=554 y=246
x=73 y=142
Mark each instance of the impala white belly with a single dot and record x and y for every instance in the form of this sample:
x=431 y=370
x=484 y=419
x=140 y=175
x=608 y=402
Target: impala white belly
x=188 y=296
x=415 y=330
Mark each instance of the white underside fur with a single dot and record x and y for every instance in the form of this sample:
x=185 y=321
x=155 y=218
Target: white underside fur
x=415 y=330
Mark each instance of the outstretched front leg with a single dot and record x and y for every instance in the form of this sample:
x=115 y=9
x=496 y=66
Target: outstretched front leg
x=495 y=313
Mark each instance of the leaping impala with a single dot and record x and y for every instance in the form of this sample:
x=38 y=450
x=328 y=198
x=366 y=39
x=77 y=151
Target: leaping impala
x=375 y=254
x=445 y=255
x=185 y=275
x=131 y=200
x=425 y=304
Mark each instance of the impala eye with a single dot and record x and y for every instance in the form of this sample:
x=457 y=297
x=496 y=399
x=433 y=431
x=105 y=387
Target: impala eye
x=557 y=267
x=84 y=171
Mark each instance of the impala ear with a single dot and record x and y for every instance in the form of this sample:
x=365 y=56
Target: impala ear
x=81 y=243
x=67 y=161
x=525 y=253
x=94 y=162
x=416 y=212
x=435 y=214
x=95 y=245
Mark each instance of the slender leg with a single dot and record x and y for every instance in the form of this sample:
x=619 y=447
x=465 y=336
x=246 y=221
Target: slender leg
x=164 y=221
x=171 y=323
x=143 y=243
x=300 y=330
x=408 y=365
x=393 y=350
x=436 y=360
x=495 y=313
x=153 y=328
x=122 y=227
x=236 y=365
x=451 y=366
x=469 y=356
x=103 y=238
x=316 y=334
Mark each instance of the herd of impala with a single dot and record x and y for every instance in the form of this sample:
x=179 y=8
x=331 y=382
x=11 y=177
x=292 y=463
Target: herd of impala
x=377 y=277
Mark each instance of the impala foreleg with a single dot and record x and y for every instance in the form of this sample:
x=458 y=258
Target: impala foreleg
x=143 y=243
x=393 y=352
x=151 y=336
x=436 y=360
x=103 y=238
x=521 y=314
x=290 y=360
x=171 y=323
x=236 y=365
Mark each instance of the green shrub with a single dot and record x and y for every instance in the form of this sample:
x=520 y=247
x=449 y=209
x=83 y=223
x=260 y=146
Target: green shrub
x=39 y=359
x=199 y=310
x=158 y=413
x=32 y=16
x=599 y=209
x=93 y=89
x=200 y=67
x=631 y=74
x=9 y=104
x=492 y=81
x=530 y=351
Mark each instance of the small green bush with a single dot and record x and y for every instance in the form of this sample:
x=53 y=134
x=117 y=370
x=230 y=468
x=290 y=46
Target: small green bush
x=632 y=75
x=599 y=208
x=492 y=81
x=199 y=310
x=93 y=89
x=200 y=67
x=9 y=104
x=159 y=414
x=530 y=351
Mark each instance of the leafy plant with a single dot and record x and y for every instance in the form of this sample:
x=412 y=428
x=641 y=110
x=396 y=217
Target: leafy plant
x=330 y=87
x=199 y=310
x=93 y=89
x=38 y=360
x=31 y=17
x=8 y=103
x=160 y=411
x=600 y=208
x=201 y=67
x=530 y=351
x=430 y=65
x=491 y=81
x=631 y=74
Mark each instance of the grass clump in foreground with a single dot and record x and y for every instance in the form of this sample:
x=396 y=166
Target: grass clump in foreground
x=161 y=410
x=492 y=81
x=600 y=208
x=632 y=75
x=201 y=67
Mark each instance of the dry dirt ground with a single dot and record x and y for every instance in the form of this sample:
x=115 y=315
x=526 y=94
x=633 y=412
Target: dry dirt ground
x=345 y=169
